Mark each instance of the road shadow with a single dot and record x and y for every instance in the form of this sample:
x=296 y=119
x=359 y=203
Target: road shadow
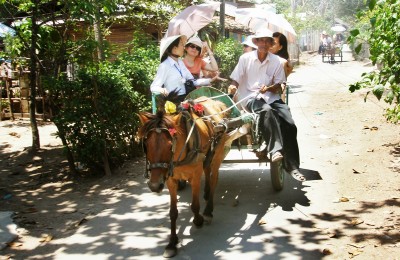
x=250 y=220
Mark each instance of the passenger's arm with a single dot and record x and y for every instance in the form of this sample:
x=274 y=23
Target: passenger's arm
x=158 y=82
x=233 y=87
x=212 y=66
x=275 y=88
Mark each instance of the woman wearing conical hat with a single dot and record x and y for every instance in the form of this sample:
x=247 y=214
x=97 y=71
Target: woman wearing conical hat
x=172 y=72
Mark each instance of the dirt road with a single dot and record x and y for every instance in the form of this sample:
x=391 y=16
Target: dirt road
x=349 y=207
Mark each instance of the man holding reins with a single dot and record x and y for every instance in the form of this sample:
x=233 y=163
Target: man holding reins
x=257 y=80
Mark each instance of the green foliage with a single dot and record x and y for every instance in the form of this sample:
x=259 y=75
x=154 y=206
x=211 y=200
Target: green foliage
x=155 y=13
x=98 y=110
x=384 y=41
x=227 y=52
x=140 y=66
x=4 y=104
x=14 y=47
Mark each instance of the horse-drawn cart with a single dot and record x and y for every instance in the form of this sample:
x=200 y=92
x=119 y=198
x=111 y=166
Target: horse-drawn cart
x=242 y=124
x=330 y=53
x=192 y=142
x=243 y=132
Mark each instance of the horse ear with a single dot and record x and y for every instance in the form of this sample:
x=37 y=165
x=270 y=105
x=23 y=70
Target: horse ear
x=143 y=117
x=177 y=118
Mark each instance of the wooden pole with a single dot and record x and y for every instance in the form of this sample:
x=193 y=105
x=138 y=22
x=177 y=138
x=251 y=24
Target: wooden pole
x=222 y=19
x=8 y=84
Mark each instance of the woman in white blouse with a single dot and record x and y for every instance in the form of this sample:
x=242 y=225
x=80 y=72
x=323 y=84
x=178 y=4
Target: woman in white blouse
x=172 y=72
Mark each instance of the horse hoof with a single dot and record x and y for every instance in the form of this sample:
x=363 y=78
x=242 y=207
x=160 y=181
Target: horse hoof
x=208 y=219
x=198 y=221
x=170 y=252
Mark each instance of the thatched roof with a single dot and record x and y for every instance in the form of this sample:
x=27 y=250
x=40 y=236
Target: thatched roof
x=232 y=25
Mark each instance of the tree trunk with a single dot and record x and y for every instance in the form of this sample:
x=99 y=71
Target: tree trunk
x=293 y=7
x=70 y=157
x=32 y=77
x=100 y=56
x=98 y=36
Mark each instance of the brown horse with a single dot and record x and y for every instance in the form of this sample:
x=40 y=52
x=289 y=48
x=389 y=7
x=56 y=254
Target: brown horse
x=172 y=156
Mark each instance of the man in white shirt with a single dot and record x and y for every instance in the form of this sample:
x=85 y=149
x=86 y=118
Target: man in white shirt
x=257 y=79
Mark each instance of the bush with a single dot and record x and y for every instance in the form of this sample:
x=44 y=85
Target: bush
x=141 y=65
x=97 y=111
x=227 y=52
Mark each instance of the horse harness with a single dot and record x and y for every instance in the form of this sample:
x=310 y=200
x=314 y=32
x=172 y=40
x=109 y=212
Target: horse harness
x=192 y=145
x=163 y=165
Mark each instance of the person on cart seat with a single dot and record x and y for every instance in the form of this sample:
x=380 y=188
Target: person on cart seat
x=257 y=79
x=325 y=42
x=172 y=74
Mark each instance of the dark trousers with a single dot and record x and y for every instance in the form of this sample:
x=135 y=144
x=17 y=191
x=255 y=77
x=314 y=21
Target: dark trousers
x=278 y=129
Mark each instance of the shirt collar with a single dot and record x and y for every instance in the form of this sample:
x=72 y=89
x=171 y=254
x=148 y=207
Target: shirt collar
x=172 y=62
x=255 y=57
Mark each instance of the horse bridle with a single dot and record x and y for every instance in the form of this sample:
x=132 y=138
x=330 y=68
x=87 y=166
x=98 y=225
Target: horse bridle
x=163 y=165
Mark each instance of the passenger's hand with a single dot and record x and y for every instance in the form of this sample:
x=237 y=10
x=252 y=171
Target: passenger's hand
x=273 y=88
x=164 y=92
x=205 y=45
x=217 y=77
x=222 y=79
x=263 y=89
x=232 y=89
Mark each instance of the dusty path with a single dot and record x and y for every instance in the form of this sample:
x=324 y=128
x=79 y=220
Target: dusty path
x=349 y=206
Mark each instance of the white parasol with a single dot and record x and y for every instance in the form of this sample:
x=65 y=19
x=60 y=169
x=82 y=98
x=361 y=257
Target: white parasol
x=256 y=18
x=192 y=19
x=338 y=28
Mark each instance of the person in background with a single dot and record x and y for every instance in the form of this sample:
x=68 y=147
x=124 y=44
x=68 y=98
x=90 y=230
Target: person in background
x=325 y=42
x=338 y=39
x=280 y=48
x=258 y=77
x=172 y=73
x=248 y=44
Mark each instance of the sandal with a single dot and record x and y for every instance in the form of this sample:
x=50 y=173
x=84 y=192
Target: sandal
x=296 y=174
x=277 y=156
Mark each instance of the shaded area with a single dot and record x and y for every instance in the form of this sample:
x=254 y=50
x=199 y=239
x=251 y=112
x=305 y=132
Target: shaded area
x=118 y=218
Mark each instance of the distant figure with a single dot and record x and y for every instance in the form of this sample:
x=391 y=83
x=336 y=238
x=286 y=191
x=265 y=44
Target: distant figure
x=325 y=42
x=248 y=44
x=338 y=39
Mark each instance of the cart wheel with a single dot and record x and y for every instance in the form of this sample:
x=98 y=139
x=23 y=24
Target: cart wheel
x=277 y=175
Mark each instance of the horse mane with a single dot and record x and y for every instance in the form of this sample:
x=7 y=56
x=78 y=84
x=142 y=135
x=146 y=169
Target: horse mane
x=158 y=120
x=172 y=97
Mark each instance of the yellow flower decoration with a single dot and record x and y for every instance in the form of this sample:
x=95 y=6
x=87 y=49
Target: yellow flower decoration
x=170 y=107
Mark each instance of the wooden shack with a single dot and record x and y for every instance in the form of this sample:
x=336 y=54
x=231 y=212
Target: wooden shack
x=15 y=91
